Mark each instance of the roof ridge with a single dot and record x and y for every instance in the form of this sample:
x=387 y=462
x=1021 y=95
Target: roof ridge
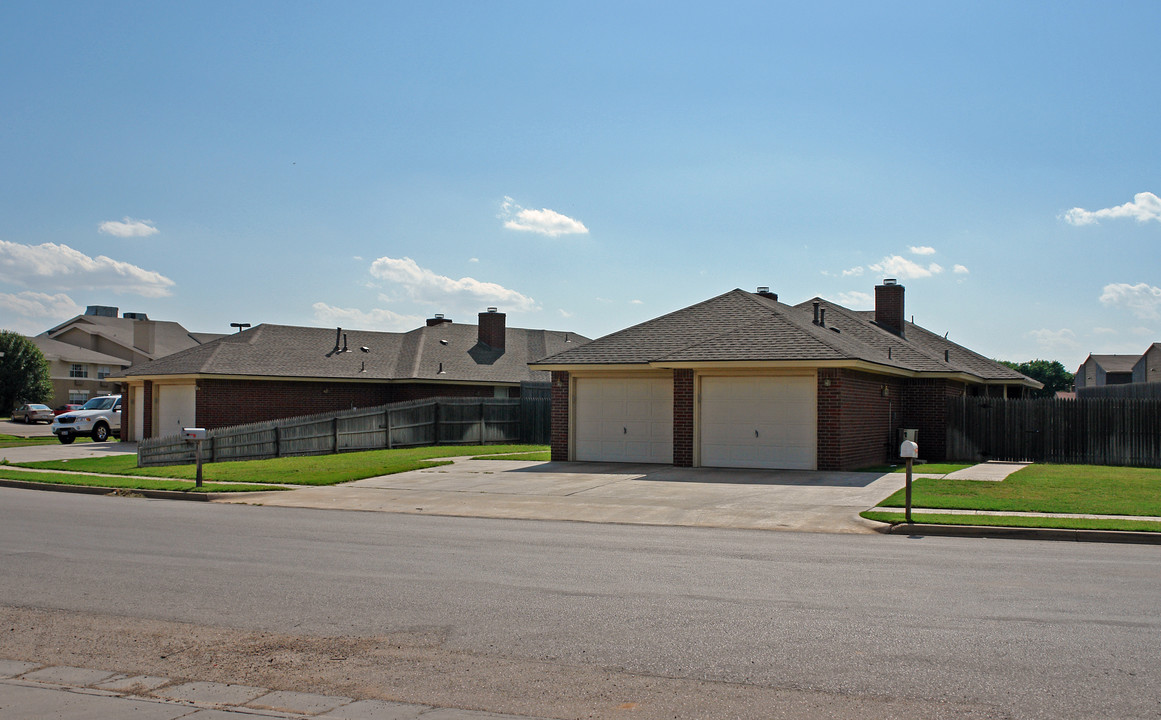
x=826 y=338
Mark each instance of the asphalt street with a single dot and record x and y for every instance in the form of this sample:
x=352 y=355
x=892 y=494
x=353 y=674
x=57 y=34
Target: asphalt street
x=1022 y=629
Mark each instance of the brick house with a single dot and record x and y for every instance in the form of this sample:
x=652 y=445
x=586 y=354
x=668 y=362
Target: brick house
x=276 y=371
x=742 y=380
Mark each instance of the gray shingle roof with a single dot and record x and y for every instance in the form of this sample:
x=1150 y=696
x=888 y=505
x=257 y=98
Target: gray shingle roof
x=168 y=337
x=739 y=326
x=1116 y=363
x=446 y=352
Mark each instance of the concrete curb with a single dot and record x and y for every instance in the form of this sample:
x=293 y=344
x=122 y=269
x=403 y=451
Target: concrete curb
x=1020 y=533
x=88 y=490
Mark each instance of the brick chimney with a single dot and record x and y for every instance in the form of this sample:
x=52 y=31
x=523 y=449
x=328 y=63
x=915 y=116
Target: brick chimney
x=439 y=319
x=492 y=329
x=889 y=306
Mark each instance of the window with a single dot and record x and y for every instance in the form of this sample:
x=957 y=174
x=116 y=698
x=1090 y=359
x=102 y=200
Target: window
x=102 y=372
x=78 y=397
x=79 y=371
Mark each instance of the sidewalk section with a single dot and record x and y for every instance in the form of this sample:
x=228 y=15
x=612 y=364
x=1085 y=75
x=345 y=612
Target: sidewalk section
x=29 y=691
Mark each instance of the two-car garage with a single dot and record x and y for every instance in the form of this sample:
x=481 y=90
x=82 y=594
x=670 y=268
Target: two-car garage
x=760 y=421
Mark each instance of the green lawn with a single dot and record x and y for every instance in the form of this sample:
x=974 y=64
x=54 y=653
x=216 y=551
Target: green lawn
x=1009 y=521
x=539 y=456
x=7 y=441
x=312 y=470
x=1093 y=489
x=10 y=473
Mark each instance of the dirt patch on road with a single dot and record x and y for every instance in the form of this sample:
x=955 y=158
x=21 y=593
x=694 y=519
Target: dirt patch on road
x=415 y=667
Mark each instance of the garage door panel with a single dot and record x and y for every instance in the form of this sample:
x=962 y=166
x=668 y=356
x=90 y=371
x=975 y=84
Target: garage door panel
x=758 y=422
x=624 y=420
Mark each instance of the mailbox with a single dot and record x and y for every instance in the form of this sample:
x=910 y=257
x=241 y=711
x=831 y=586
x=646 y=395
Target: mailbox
x=193 y=433
x=908 y=449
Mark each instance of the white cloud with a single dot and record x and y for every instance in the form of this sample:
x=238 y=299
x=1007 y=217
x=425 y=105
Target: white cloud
x=33 y=312
x=544 y=221
x=376 y=319
x=426 y=286
x=565 y=313
x=856 y=300
x=960 y=270
x=1145 y=206
x=128 y=227
x=853 y=272
x=1054 y=340
x=1142 y=300
x=473 y=260
x=922 y=250
x=1142 y=331
x=1103 y=331
x=61 y=266
x=901 y=268
x=636 y=302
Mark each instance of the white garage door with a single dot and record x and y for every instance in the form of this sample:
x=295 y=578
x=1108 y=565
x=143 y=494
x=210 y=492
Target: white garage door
x=624 y=420
x=175 y=408
x=758 y=422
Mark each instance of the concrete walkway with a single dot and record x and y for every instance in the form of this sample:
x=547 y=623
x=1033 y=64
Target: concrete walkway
x=29 y=691
x=611 y=493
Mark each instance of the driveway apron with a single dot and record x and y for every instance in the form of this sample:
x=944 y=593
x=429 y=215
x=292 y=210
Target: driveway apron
x=612 y=492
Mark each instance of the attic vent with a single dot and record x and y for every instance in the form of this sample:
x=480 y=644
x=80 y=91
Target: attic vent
x=946 y=355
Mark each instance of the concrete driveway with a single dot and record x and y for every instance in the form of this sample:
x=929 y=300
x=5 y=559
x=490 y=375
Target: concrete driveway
x=612 y=493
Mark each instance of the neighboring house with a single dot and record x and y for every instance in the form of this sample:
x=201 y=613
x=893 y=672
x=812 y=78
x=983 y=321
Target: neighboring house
x=1098 y=370
x=277 y=371
x=1147 y=369
x=77 y=373
x=742 y=380
x=83 y=351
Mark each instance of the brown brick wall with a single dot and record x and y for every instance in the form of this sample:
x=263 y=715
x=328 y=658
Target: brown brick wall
x=235 y=402
x=857 y=425
x=683 y=418
x=925 y=408
x=559 y=442
x=147 y=411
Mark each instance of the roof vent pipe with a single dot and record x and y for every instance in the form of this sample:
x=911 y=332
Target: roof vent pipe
x=822 y=317
x=816 y=313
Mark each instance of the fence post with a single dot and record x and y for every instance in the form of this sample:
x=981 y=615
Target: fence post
x=277 y=441
x=483 y=425
x=335 y=423
x=387 y=425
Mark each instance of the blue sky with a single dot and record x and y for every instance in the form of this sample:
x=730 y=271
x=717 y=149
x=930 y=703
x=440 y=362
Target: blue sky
x=585 y=166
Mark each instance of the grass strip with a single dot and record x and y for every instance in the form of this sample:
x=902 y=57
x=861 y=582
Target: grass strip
x=1016 y=521
x=123 y=483
x=308 y=470
x=544 y=456
x=1085 y=489
x=7 y=441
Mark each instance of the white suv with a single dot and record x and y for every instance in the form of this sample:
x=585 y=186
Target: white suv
x=98 y=419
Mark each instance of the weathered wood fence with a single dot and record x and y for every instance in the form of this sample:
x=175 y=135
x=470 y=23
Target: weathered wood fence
x=435 y=421
x=1096 y=431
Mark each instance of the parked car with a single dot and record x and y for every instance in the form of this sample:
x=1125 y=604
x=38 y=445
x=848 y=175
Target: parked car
x=62 y=409
x=98 y=418
x=32 y=412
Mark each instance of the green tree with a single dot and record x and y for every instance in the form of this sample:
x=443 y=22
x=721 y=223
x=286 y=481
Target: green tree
x=1049 y=372
x=23 y=372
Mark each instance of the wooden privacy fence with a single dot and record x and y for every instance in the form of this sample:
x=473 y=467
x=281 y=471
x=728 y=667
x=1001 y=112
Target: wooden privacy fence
x=1097 y=431
x=435 y=421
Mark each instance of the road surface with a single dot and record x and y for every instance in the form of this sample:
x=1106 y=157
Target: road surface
x=565 y=619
